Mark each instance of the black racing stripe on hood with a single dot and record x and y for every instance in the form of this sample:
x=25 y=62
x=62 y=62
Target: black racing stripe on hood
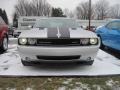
x=52 y=33
x=65 y=33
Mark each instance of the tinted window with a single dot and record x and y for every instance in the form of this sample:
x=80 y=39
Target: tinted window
x=114 y=25
x=51 y=23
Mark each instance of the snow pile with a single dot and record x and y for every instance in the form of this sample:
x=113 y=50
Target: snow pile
x=102 y=56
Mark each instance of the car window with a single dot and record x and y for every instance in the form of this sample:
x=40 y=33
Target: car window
x=114 y=25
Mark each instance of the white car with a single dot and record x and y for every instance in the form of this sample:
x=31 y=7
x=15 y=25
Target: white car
x=19 y=30
x=57 y=40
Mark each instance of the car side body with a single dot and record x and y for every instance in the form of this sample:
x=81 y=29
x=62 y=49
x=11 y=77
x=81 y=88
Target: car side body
x=59 y=43
x=110 y=35
x=3 y=36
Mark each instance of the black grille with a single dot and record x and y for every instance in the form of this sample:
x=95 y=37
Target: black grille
x=58 y=57
x=58 y=42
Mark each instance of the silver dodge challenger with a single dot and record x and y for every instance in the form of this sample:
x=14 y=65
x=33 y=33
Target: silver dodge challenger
x=57 y=40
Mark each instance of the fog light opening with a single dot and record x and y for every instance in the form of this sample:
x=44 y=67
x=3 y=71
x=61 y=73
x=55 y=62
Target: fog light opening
x=28 y=59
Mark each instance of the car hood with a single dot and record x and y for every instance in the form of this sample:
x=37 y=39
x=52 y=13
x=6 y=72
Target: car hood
x=57 y=33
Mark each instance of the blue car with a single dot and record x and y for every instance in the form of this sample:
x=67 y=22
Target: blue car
x=110 y=35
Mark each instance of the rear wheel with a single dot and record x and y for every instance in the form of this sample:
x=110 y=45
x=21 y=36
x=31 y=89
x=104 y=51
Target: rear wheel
x=4 y=46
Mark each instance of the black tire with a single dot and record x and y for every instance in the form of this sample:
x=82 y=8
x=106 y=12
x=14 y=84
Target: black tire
x=25 y=63
x=86 y=62
x=4 y=46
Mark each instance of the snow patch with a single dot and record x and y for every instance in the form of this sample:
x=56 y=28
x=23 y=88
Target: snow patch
x=113 y=84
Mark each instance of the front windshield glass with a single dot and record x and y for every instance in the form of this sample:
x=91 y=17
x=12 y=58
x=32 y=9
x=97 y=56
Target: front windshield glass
x=114 y=25
x=51 y=23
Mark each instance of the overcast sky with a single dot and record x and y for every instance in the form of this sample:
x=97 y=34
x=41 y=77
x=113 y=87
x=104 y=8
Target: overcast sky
x=8 y=5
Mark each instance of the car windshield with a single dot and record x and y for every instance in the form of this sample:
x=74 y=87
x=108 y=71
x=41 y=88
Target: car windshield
x=51 y=23
x=115 y=25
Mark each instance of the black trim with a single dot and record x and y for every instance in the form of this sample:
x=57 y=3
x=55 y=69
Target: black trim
x=58 y=42
x=58 y=57
x=65 y=33
x=52 y=33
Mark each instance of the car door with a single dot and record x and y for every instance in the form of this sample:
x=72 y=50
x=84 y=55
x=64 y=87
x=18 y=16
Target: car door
x=114 y=35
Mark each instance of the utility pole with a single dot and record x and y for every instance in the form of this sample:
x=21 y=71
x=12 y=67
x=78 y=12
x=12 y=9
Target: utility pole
x=89 y=14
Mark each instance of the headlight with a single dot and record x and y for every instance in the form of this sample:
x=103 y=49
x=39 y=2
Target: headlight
x=22 y=41
x=93 y=41
x=84 y=41
x=32 y=41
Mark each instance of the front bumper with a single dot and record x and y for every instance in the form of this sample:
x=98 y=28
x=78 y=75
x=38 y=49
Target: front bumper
x=31 y=53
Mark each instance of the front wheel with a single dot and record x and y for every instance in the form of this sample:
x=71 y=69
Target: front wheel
x=4 y=46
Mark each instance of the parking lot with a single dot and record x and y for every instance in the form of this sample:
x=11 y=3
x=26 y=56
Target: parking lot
x=10 y=65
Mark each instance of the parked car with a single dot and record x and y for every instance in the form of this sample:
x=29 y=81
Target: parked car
x=92 y=28
x=3 y=36
x=57 y=40
x=110 y=35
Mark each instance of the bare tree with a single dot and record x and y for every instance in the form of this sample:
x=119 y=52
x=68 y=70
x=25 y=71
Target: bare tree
x=69 y=13
x=115 y=11
x=33 y=8
x=82 y=11
x=66 y=12
x=101 y=9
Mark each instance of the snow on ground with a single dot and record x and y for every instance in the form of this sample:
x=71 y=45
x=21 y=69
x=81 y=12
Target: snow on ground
x=10 y=65
x=107 y=58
